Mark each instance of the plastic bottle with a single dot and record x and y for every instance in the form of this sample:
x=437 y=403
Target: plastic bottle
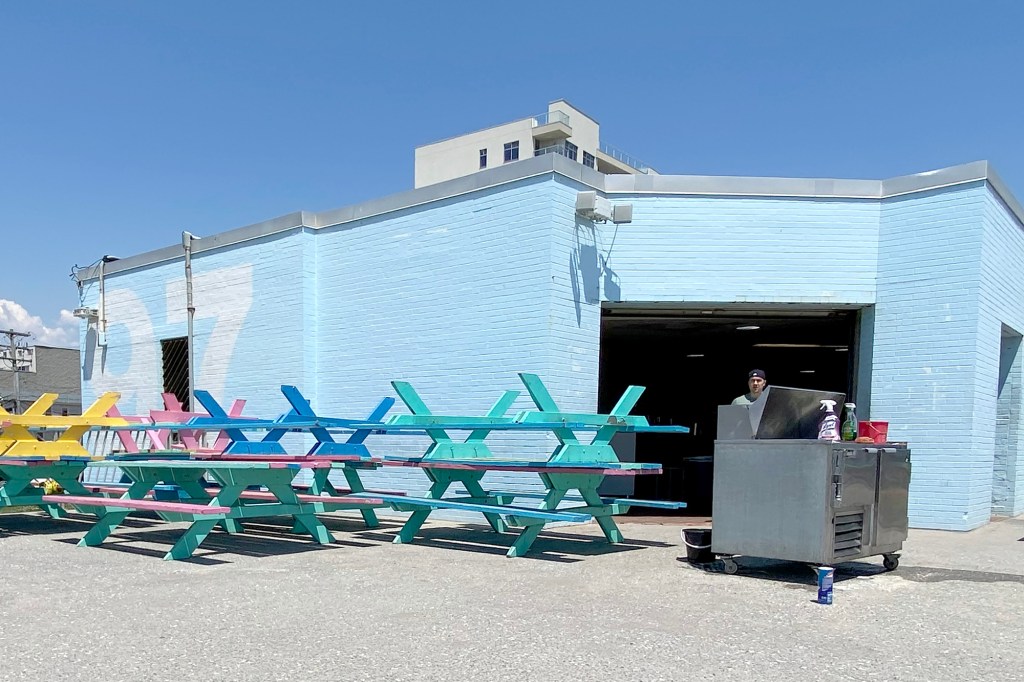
x=849 y=431
x=830 y=424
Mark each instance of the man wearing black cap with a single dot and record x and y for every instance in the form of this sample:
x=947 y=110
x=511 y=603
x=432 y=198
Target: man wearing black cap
x=756 y=383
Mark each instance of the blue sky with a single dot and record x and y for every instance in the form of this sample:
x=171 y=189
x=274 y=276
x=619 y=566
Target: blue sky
x=124 y=123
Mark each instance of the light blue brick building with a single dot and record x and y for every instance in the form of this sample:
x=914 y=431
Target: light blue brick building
x=906 y=293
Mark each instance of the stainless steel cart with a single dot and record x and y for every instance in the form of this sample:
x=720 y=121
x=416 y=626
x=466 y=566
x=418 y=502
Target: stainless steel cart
x=798 y=499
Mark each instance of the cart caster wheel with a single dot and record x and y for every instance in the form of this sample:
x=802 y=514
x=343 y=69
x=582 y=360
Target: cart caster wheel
x=730 y=566
x=890 y=562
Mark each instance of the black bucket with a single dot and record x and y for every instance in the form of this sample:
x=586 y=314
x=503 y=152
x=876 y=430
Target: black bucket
x=698 y=545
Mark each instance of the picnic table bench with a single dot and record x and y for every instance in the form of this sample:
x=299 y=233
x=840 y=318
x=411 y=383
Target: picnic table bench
x=573 y=466
x=233 y=500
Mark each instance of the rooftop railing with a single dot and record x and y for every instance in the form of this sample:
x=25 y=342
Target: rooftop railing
x=558 y=148
x=550 y=117
x=625 y=158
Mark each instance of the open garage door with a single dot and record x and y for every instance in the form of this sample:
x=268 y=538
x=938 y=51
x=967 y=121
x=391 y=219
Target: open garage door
x=693 y=359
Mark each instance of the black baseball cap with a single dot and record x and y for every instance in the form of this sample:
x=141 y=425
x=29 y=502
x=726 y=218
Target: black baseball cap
x=757 y=373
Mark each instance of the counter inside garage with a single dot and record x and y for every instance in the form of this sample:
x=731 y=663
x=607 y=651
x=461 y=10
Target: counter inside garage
x=693 y=359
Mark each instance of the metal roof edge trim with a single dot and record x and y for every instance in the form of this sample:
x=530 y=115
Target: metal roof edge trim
x=709 y=185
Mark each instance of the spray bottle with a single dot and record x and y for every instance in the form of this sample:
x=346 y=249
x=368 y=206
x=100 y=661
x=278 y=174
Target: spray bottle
x=830 y=424
x=849 y=430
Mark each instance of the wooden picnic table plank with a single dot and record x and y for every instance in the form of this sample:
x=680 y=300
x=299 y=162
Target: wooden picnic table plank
x=246 y=457
x=143 y=504
x=509 y=510
x=209 y=464
x=624 y=501
x=526 y=467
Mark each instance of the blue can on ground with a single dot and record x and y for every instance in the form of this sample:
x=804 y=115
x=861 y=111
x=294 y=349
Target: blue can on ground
x=826 y=576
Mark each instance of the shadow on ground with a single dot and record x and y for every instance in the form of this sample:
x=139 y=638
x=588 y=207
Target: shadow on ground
x=787 y=571
x=40 y=523
x=559 y=547
x=798 y=574
x=146 y=535
x=258 y=539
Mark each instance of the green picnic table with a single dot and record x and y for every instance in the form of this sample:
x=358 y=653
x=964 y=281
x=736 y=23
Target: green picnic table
x=572 y=473
x=204 y=509
x=17 y=474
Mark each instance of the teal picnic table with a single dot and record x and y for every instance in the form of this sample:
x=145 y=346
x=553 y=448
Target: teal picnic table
x=239 y=495
x=571 y=474
x=17 y=474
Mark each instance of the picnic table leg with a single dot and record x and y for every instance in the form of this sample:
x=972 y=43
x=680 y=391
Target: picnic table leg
x=307 y=521
x=416 y=519
x=190 y=540
x=196 y=491
x=73 y=486
x=112 y=518
x=607 y=523
x=322 y=484
x=193 y=537
x=355 y=484
x=522 y=544
x=473 y=487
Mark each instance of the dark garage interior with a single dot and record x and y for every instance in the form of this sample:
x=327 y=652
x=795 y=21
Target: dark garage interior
x=694 y=359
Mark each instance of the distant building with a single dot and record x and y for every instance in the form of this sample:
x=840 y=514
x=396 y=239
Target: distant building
x=562 y=130
x=42 y=369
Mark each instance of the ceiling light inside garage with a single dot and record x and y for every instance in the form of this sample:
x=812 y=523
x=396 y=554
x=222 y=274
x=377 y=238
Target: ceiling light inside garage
x=799 y=345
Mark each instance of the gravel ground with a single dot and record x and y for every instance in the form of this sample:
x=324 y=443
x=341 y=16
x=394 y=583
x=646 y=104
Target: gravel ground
x=267 y=606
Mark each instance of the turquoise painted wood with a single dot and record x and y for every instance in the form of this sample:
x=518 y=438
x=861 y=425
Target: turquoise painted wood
x=574 y=466
x=16 y=476
x=623 y=501
x=234 y=479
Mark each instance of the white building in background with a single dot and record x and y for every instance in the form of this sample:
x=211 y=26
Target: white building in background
x=563 y=130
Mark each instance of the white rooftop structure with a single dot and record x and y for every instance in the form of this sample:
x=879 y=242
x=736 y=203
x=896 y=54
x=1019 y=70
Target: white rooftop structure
x=562 y=130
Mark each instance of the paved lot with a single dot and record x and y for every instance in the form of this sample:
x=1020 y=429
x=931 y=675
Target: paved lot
x=267 y=607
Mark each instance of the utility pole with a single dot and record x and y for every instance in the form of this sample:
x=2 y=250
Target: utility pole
x=12 y=343
x=190 y=308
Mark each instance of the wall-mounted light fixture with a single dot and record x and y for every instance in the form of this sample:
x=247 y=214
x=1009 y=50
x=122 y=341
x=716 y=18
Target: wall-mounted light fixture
x=593 y=207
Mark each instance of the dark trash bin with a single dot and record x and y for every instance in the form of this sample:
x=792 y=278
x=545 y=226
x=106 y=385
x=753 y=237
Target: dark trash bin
x=698 y=545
